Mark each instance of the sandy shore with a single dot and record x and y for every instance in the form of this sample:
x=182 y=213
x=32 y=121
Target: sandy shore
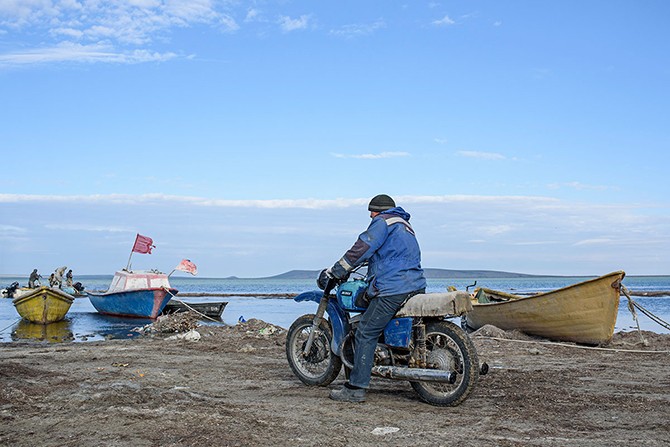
x=233 y=387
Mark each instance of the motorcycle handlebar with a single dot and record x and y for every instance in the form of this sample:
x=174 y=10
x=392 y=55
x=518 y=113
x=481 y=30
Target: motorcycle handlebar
x=330 y=285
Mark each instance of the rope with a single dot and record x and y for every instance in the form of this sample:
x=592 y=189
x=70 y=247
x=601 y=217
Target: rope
x=631 y=308
x=638 y=306
x=653 y=317
x=13 y=323
x=594 y=348
x=189 y=307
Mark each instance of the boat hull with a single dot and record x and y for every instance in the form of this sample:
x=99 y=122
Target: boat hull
x=142 y=303
x=43 y=305
x=582 y=313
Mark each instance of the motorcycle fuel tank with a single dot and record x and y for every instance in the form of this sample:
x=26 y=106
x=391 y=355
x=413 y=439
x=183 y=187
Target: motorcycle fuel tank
x=348 y=292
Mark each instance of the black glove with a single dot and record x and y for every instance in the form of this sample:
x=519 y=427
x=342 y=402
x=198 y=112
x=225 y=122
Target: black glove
x=323 y=278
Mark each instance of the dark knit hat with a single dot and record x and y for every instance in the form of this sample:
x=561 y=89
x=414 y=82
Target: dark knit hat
x=380 y=203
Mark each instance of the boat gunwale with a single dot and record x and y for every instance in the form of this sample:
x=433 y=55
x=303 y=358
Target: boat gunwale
x=172 y=290
x=512 y=298
x=54 y=293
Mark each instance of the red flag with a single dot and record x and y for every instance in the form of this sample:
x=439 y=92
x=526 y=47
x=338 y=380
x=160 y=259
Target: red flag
x=143 y=244
x=187 y=266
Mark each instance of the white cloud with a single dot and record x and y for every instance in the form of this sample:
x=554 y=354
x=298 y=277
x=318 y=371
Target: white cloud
x=481 y=155
x=252 y=15
x=116 y=31
x=19 y=13
x=71 y=52
x=356 y=30
x=130 y=21
x=445 y=21
x=188 y=11
x=229 y=23
x=373 y=156
x=531 y=234
x=494 y=230
x=527 y=243
x=90 y=228
x=149 y=199
x=535 y=207
x=579 y=186
x=6 y=230
x=475 y=199
x=288 y=24
x=510 y=202
x=595 y=241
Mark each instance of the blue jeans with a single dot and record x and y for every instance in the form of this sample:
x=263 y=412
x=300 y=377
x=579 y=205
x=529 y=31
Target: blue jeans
x=375 y=318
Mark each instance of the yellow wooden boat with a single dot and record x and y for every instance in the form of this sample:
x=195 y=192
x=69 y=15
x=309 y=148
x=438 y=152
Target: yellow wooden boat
x=43 y=305
x=582 y=313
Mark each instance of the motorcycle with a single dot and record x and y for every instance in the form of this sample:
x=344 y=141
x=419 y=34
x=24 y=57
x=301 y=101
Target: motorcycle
x=418 y=345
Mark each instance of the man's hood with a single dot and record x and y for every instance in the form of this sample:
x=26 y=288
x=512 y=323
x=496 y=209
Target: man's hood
x=397 y=211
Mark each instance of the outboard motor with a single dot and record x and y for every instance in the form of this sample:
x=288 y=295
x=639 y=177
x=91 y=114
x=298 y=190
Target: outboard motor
x=78 y=287
x=9 y=291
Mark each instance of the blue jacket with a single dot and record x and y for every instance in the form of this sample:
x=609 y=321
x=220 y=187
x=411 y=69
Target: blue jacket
x=390 y=248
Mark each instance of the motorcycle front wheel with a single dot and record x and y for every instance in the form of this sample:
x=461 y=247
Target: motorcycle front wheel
x=318 y=367
x=449 y=348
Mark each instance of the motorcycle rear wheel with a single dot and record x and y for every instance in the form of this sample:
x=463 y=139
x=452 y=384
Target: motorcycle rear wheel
x=320 y=366
x=449 y=348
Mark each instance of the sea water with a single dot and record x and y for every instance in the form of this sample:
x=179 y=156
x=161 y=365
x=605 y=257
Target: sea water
x=83 y=323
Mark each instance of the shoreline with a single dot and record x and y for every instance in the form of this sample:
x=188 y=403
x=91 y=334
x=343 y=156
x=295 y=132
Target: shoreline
x=638 y=293
x=648 y=293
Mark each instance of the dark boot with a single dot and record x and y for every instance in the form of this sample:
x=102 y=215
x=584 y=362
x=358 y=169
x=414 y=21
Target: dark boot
x=346 y=394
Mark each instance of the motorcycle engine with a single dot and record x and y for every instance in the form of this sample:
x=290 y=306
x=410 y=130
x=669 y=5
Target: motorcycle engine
x=382 y=355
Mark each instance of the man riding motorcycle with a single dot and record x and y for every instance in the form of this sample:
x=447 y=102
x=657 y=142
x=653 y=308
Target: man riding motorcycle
x=392 y=253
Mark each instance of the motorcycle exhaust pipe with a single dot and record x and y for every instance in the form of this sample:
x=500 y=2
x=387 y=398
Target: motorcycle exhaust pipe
x=415 y=374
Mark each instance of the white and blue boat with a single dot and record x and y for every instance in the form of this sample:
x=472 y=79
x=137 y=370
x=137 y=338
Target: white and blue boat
x=141 y=294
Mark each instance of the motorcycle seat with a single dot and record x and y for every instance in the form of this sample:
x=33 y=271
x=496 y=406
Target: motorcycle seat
x=436 y=304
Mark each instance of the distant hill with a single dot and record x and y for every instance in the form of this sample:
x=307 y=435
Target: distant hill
x=430 y=274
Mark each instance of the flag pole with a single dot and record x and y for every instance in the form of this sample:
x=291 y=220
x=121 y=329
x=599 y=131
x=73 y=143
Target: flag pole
x=128 y=266
x=131 y=253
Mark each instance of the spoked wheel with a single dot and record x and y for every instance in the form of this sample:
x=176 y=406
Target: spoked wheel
x=319 y=366
x=450 y=349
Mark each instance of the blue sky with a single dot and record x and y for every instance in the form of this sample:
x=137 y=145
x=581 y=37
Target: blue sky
x=522 y=136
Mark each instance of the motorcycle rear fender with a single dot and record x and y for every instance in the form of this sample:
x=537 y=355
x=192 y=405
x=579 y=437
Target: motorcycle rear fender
x=338 y=318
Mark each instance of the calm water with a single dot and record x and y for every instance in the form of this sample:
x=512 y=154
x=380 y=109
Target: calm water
x=83 y=323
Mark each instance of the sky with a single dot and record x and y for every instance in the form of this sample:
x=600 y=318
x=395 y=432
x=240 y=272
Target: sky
x=249 y=136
